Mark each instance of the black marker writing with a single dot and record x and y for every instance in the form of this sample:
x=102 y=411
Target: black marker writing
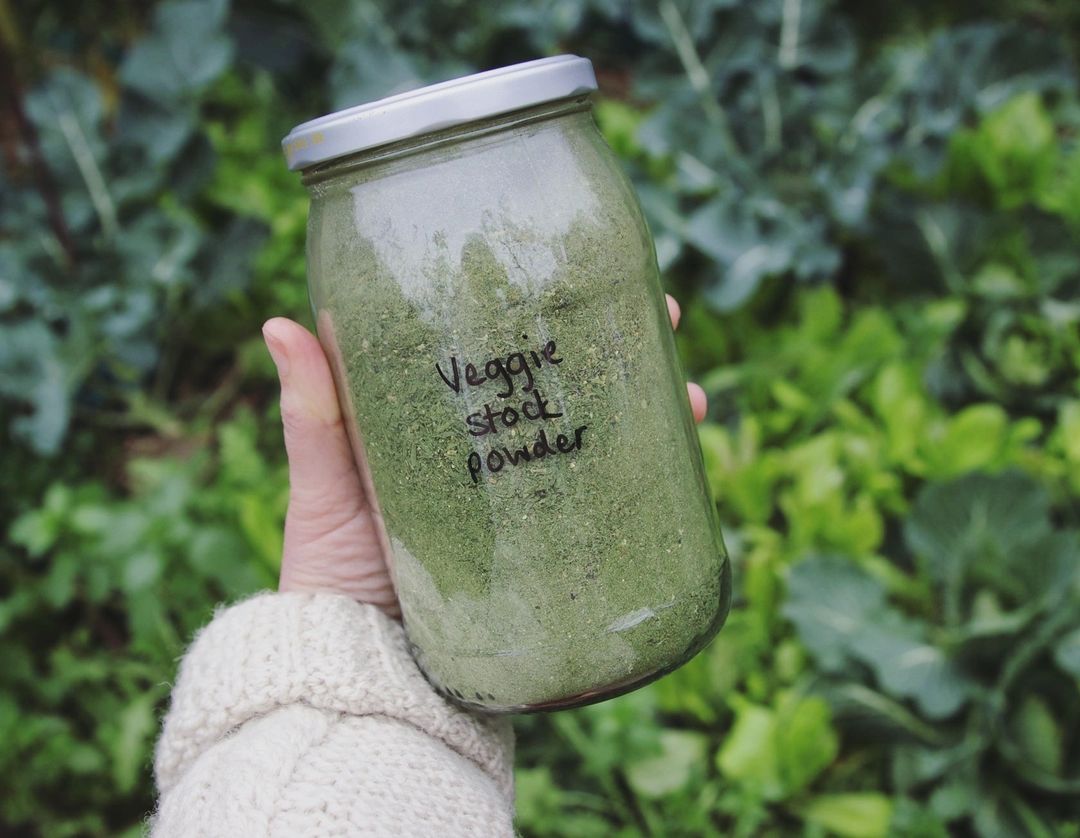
x=513 y=373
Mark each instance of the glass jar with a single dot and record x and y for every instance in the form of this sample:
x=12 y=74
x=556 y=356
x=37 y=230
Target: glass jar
x=486 y=288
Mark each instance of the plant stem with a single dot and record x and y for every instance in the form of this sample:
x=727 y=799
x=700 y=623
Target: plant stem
x=697 y=74
x=789 y=34
x=27 y=133
x=88 y=168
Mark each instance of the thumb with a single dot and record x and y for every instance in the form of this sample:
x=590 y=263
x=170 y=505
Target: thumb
x=325 y=491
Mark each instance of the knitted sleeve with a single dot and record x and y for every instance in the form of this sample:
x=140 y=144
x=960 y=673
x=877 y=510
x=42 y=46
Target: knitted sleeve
x=304 y=715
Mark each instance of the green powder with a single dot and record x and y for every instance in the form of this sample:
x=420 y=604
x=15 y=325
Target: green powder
x=507 y=286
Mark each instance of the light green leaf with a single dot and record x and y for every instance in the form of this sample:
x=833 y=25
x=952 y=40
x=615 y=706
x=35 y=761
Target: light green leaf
x=1017 y=149
x=141 y=570
x=682 y=755
x=854 y=815
x=973 y=439
x=1061 y=193
x=749 y=755
x=805 y=741
x=997 y=281
x=536 y=795
x=137 y=727
x=91 y=519
x=261 y=523
x=954 y=798
x=84 y=759
x=1068 y=429
x=1038 y=734
x=59 y=585
x=900 y=402
x=36 y=531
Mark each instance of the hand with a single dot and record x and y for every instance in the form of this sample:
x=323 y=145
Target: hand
x=331 y=538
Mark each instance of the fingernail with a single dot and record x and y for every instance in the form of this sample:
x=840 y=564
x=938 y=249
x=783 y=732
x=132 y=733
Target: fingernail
x=276 y=348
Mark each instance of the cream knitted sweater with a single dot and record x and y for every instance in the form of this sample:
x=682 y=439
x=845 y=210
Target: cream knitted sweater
x=303 y=715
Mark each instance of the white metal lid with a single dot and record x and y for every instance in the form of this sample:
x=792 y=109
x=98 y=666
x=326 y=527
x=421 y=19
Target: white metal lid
x=436 y=107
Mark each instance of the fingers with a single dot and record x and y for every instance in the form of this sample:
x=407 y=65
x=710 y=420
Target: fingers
x=324 y=488
x=674 y=311
x=698 y=403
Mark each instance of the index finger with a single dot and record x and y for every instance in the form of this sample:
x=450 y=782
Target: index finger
x=674 y=311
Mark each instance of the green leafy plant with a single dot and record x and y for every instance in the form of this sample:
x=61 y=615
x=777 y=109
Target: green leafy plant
x=95 y=258
x=110 y=589
x=973 y=678
x=869 y=214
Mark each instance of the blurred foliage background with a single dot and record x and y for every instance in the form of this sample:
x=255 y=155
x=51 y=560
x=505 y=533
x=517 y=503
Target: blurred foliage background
x=870 y=212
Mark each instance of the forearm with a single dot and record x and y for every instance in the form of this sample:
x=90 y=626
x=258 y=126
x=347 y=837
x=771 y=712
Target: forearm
x=293 y=710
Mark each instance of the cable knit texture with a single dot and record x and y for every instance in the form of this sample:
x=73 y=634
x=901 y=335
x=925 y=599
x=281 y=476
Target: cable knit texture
x=304 y=715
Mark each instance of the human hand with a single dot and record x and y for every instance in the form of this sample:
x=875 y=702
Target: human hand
x=332 y=541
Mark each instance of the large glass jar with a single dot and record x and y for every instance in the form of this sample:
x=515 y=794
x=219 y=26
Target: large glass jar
x=486 y=288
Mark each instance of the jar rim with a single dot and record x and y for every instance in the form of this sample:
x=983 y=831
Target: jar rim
x=436 y=107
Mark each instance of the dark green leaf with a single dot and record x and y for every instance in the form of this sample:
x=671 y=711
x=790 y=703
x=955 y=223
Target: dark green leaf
x=841 y=616
x=829 y=601
x=186 y=50
x=977 y=523
x=1067 y=653
x=909 y=667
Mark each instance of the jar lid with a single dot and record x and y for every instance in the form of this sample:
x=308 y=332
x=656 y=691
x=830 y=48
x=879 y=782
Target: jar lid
x=437 y=106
